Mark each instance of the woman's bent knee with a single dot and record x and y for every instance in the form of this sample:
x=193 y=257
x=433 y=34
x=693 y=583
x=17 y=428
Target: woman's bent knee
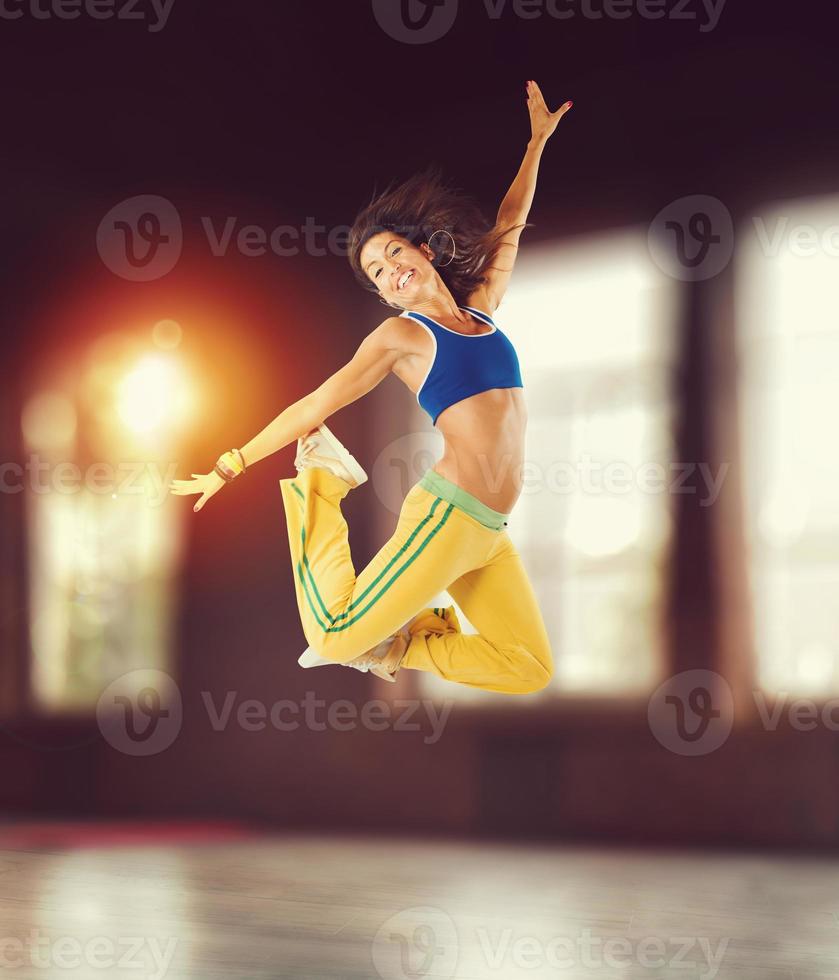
x=539 y=673
x=337 y=646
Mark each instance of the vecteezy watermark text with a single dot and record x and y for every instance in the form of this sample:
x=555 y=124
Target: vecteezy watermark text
x=154 y=12
x=425 y=941
x=141 y=713
x=146 y=958
x=283 y=240
x=426 y=21
x=141 y=238
x=801 y=240
x=128 y=477
x=505 y=949
x=315 y=715
x=592 y=476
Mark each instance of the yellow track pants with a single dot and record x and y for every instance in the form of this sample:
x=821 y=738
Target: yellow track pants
x=437 y=546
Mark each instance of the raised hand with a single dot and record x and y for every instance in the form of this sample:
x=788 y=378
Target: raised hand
x=207 y=484
x=543 y=122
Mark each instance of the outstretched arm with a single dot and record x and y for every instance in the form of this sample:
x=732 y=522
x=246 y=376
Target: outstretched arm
x=371 y=362
x=517 y=201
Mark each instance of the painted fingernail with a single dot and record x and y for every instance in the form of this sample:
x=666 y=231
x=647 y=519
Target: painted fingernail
x=570 y=104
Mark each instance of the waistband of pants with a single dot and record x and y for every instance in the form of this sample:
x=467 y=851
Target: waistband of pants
x=439 y=485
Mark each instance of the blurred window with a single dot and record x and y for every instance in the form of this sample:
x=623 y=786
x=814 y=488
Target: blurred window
x=788 y=317
x=103 y=548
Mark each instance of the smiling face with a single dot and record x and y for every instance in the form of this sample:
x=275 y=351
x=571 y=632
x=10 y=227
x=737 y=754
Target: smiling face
x=401 y=272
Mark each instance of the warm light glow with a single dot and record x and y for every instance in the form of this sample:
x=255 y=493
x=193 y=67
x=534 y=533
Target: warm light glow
x=167 y=334
x=49 y=422
x=153 y=395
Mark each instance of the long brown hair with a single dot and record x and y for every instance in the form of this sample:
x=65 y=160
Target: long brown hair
x=418 y=207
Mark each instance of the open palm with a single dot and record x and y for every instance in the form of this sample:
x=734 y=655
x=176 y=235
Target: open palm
x=543 y=122
x=207 y=484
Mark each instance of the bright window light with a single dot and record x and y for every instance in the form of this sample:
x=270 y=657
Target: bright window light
x=788 y=314
x=103 y=549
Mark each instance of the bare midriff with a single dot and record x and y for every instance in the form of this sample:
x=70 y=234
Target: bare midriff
x=484 y=446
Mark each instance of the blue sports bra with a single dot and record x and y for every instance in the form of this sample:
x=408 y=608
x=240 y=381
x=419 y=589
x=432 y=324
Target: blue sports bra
x=461 y=366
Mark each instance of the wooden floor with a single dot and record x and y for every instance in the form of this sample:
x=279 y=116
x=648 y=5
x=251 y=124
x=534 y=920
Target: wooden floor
x=318 y=908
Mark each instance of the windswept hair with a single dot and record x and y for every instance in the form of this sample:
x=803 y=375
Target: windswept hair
x=415 y=209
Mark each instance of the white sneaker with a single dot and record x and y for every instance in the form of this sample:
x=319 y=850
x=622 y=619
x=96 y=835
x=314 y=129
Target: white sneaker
x=311 y=658
x=383 y=660
x=320 y=447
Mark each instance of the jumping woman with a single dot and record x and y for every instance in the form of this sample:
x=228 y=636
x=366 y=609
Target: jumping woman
x=426 y=251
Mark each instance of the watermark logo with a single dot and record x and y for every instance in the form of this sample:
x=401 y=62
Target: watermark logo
x=415 y=21
x=692 y=238
x=692 y=713
x=140 y=238
x=417 y=942
x=425 y=942
x=140 y=713
x=426 y=21
x=404 y=461
x=317 y=715
x=401 y=464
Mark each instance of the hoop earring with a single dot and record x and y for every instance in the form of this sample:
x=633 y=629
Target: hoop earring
x=454 y=246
